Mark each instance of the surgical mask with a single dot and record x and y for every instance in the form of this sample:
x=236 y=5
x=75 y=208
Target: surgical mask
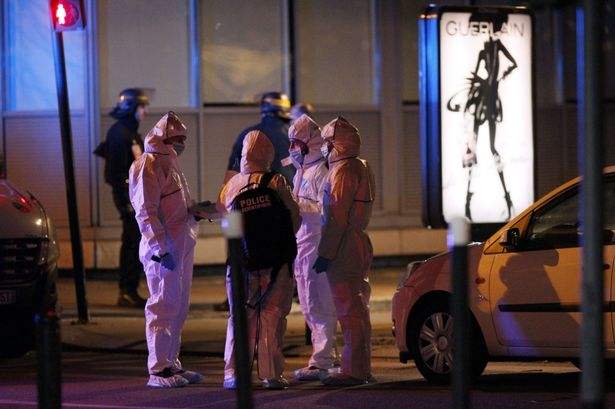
x=179 y=148
x=297 y=158
x=324 y=149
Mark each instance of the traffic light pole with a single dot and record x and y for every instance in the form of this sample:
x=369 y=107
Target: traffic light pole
x=69 y=177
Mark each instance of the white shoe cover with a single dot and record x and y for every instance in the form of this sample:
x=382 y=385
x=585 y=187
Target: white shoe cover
x=310 y=373
x=276 y=383
x=175 y=381
x=230 y=384
x=191 y=376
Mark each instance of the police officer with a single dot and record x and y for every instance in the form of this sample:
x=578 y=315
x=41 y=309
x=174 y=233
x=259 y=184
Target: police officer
x=275 y=120
x=124 y=145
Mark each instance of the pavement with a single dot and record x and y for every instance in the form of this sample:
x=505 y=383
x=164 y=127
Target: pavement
x=103 y=363
x=116 y=328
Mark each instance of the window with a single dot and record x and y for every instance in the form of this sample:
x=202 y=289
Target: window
x=556 y=225
x=334 y=52
x=144 y=43
x=243 y=50
x=29 y=61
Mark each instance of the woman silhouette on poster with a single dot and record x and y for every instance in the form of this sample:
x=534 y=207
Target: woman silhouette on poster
x=483 y=102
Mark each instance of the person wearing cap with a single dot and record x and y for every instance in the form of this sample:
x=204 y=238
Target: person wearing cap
x=345 y=251
x=275 y=119
x=163 y=207
x=299 y=109
x=122 y=146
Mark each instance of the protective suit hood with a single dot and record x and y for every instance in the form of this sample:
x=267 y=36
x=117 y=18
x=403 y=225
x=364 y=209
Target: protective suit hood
x=257 y=153
x=345 y=139
x=168 y=126
x=307 y=131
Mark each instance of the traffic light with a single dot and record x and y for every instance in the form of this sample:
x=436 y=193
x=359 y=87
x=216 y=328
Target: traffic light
x=67 y=15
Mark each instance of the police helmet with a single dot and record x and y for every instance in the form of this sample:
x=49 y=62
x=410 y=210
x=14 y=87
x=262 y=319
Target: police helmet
x=128 y=101
x=275 y=103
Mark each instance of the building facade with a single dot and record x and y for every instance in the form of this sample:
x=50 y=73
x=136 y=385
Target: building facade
x=208 y=59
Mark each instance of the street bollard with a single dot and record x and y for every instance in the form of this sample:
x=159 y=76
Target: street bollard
x=458 y=236
x=49 y=360
x=590 y=84
x=232 y=226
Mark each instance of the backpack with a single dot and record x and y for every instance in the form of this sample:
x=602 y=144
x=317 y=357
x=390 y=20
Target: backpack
x=269 y=240
x=101 y=150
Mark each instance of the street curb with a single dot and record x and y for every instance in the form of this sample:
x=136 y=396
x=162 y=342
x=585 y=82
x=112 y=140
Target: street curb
x=111 y=274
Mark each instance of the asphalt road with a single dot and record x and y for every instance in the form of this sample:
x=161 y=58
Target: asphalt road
x=104 y=364
x=117 y=381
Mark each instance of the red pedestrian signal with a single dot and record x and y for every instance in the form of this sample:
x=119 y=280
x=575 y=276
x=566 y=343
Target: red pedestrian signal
x=67 y=14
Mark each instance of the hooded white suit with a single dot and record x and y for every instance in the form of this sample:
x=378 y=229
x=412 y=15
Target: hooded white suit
x=313 y=289
x=256 y=158
x=161 y=198
x=348 y=201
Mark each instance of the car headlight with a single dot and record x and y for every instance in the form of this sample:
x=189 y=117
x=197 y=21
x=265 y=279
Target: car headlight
x=409 y=270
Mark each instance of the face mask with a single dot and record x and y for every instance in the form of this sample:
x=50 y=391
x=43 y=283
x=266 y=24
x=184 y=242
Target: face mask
x=297 y=158
x=324 y=149
x=179 y=148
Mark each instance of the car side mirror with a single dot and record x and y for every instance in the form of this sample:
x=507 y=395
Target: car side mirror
x=510 y=238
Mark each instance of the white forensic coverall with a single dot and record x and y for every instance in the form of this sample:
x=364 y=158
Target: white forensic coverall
x=160 y=196
x=313 y=289
x=348 y=201
x=256 y=158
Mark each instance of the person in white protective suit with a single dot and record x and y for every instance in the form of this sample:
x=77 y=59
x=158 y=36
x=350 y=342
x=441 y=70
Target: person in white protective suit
x=313 y=289
x=266 y=323
x=161 y=199
x=345 y=251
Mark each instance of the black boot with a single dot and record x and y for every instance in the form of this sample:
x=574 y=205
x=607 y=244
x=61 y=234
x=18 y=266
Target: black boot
x=131 y=299
x=508 y=204
x=468 y=200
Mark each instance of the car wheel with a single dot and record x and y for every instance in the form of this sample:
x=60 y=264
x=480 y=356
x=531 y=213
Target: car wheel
x=431 y=343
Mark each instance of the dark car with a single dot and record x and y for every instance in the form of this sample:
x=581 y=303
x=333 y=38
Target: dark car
x=28 y=268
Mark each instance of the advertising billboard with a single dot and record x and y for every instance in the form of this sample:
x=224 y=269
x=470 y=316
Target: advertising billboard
x=477 y=119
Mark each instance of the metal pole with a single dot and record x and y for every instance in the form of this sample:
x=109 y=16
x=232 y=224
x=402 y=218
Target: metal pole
x=589 y=80
x=69 y=176
x=458 y=236
x=233 y=230
x=48 y=356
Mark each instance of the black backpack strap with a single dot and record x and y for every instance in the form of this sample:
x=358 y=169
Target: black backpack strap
x=266 y=179
x=273 y=275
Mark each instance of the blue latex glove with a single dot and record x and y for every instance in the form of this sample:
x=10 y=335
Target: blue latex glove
x=321 y=264
x=167 y=261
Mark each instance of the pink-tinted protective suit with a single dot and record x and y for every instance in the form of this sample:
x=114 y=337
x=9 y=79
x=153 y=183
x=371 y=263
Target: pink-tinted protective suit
x=313 y=289
x=348 y=200
x=256 y=157
x=160 y=196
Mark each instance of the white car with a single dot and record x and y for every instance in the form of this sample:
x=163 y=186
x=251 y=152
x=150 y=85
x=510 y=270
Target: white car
x=524 y=290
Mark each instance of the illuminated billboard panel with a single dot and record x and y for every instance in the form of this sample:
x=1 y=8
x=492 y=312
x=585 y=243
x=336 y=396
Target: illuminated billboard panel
x=476 y=114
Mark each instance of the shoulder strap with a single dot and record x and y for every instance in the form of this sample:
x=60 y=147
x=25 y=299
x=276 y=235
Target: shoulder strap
x=266 y=179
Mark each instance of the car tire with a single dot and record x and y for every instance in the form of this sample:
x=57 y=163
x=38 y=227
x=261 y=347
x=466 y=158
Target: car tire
x=430 y=342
